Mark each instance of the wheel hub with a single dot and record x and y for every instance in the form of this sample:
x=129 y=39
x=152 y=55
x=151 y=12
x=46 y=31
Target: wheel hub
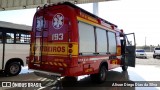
x=14 y=69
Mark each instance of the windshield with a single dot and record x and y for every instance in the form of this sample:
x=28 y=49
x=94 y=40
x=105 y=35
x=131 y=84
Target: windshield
x=157 y=48
x=140 y=51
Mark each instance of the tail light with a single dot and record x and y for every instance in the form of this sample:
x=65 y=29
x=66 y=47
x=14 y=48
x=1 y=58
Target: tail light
x=70 y=48
x=70 y=45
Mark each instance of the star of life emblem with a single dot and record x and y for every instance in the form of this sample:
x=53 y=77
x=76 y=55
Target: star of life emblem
x=58 y=21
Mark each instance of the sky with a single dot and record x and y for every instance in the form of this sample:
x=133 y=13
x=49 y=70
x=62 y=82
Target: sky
x=139 y=16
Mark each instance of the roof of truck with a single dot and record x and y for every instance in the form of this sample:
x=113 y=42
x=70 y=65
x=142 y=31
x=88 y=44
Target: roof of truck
x=74 y=6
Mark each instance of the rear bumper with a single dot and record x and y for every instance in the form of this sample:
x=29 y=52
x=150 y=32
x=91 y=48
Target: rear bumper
x=46 y=74
x=156 y=54
x=141 y=56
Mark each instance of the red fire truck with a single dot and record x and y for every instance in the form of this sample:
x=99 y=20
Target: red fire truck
x=68 y=41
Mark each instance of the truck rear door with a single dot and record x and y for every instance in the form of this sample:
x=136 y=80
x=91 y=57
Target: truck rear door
x=51 y=38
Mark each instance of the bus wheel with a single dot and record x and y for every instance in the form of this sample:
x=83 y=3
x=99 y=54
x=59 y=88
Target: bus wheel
x=101 y=76
x=13 y=69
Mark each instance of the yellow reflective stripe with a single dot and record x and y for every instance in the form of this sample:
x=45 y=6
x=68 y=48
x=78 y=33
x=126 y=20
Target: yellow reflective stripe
x=59 y=64
x=92 y=23
x=75 y=49
x=32 y=61
x=50 y=63
x=56 y=48
x=46 y=63
x=65 y=65
x=118 y=50
x=55 y=64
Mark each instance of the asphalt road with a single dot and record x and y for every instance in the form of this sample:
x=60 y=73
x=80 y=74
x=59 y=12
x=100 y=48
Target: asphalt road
x=148 y=61
x=144 y=71
x=139 y=73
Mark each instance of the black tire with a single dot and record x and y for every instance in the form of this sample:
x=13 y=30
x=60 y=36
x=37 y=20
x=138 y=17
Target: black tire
x=101 y=76
x=13 y=69
x=93 y=77
x=124 y=68
x=124 y=64
x=154 y=56
x=69 y=81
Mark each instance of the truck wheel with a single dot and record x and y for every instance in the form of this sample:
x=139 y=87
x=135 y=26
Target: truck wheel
x=13 y=69
x=101 y=76
x=124 y=67
x=69 y=81
x=93 y=77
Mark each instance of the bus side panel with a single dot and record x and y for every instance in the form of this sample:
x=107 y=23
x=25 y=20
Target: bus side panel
x=16 y=51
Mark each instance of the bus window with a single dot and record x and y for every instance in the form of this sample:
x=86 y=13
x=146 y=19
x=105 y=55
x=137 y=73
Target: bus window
x=86 y=38
x=9 y=37
x=101 y=40
x=112 y=42
x=22 y=38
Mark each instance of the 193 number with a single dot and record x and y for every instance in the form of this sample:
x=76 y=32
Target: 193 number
x=57 y=36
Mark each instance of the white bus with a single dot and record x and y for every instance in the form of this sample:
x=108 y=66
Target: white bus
x=14 y=47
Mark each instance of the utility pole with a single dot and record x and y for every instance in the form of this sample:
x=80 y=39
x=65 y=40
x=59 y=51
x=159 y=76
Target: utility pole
x=145 y=41
x=150 y=48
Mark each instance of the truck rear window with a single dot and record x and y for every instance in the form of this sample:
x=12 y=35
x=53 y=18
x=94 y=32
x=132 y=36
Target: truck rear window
x=157 y=48
x=140 y=51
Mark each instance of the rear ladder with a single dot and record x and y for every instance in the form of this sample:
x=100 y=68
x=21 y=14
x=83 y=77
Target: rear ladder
x=39 y=41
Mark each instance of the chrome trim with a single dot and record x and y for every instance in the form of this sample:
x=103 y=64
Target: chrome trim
x=99 y=58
